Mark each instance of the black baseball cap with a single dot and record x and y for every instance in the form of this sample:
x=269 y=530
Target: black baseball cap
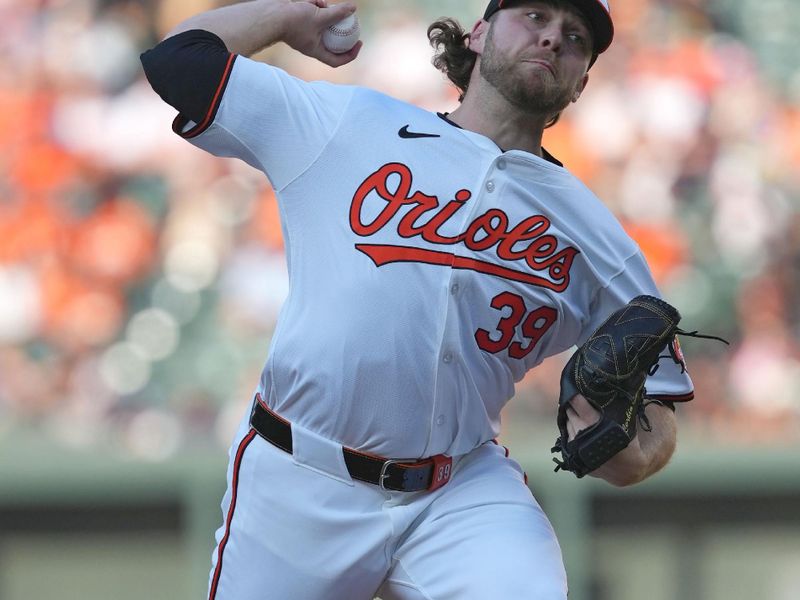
x=597 y=12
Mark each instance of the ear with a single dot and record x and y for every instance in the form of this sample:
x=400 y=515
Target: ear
x=477 y=36
x=580 y=87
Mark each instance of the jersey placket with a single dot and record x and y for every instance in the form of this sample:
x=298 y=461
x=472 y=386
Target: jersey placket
x=449 y=413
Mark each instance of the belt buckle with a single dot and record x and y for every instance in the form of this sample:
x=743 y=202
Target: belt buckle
x=389 y=462
x=442 y=468
x=382 y=477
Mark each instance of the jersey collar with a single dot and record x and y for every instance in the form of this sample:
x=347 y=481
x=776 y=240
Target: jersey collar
x=545 y=154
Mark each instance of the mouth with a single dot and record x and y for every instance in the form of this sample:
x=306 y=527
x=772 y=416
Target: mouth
x=544 y=64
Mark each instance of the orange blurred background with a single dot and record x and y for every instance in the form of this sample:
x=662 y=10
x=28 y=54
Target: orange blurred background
x=140 y=279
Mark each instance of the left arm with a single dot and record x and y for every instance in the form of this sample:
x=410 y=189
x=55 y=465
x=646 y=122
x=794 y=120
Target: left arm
x=648 y=452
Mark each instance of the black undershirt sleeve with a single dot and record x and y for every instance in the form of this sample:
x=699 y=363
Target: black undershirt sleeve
x=189 y=71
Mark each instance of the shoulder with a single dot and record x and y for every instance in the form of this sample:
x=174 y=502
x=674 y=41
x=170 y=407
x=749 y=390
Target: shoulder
x=371 y=98
x=251 y=73
x=580 y=214
x=578 y=203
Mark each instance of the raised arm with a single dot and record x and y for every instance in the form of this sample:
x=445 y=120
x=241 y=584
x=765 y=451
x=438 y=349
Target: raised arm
x=249 y=27
x=192 y=67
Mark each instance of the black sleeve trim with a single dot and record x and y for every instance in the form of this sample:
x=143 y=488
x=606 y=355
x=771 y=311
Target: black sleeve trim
x=201 y=125
x=669 y=398
x=190 y=71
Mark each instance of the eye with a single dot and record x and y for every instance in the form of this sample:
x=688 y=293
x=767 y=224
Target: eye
x=536 y=16
x=576 y=38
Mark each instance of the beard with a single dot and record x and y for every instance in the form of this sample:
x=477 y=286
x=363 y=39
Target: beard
x=534 y=91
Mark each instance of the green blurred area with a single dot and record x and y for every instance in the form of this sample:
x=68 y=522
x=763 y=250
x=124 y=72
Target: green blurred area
x=130 y=567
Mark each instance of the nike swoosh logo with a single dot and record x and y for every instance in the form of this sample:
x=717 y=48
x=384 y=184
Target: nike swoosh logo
x=410 y=135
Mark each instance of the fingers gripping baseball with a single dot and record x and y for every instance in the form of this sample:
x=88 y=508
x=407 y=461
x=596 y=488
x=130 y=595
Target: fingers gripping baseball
x=307 y=25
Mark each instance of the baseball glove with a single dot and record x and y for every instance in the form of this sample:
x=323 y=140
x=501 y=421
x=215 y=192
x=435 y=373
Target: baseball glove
x=609 y=370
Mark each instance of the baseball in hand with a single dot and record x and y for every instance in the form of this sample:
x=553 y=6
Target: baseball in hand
x=342 y=36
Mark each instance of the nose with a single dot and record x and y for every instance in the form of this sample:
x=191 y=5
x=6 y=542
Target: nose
x=550 y=37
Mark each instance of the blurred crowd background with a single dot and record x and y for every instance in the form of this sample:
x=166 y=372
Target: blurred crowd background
x=140 y=279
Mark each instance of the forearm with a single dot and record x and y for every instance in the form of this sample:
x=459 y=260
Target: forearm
x=246 y=28
x=647 y=454
x=249 y=27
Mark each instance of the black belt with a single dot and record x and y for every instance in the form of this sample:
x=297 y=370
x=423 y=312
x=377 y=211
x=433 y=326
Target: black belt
x=400 y=475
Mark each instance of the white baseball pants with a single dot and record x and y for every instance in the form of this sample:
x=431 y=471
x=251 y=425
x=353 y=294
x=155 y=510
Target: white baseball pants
x=297 y=527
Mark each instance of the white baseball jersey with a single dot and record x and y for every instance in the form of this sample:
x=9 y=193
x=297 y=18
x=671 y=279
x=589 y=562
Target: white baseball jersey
x=429 y=270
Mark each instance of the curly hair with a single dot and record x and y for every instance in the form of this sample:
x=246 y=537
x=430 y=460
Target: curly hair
x=453 y=57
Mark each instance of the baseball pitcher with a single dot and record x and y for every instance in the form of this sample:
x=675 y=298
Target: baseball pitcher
x=434 y=259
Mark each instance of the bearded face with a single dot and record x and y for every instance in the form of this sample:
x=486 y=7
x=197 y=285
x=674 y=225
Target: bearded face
x=528 y=86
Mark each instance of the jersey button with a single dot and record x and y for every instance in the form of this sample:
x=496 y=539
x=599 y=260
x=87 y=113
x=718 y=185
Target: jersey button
x=490 y=185
x=501 y=164
x=440 y=420
x=454 y=289
x=448 y=358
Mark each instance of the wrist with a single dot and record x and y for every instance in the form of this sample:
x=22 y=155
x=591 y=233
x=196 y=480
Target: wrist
x=279 y=16
x=628 y=467
x=264 y=23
